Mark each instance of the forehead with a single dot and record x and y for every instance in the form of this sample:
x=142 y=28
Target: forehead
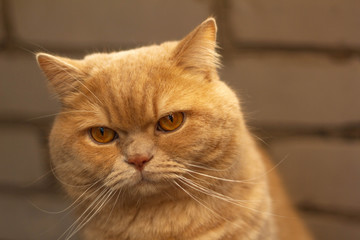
x=136 y=89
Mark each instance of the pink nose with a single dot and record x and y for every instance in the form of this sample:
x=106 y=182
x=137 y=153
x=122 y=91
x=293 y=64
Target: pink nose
x=138 y=161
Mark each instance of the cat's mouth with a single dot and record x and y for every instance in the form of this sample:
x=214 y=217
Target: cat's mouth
x=136 y=179
x=145 y=184
x=145 y=179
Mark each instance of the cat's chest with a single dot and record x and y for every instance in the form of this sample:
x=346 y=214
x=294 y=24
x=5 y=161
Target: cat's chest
x=165 y=221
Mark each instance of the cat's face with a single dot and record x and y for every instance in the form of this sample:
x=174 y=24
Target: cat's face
x=139 y=120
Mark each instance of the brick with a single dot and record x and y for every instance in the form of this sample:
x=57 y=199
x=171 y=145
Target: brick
x=22 y=159
x=321 y=173
x=2 y=27
x=21 y=217
x=106 y=23
x=300 y=88
x=297 y=22
x=332 y=228
x=23 y=88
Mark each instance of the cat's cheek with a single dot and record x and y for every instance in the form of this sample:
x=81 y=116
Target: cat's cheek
x=95 y=158
x=186 y=141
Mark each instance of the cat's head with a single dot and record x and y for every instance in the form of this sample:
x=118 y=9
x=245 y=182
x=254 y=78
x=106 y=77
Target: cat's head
x=142 y=119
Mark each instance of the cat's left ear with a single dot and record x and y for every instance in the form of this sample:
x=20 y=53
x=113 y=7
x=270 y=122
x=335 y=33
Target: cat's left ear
x=197 y=51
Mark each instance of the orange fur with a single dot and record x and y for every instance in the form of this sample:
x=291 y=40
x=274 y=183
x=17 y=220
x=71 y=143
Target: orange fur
x=206 y=180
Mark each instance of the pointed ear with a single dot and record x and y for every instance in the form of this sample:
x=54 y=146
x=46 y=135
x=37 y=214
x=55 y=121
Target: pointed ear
x=197 y=50
x=63 y=73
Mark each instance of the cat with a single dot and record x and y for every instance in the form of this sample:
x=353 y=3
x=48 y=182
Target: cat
x=151 y=144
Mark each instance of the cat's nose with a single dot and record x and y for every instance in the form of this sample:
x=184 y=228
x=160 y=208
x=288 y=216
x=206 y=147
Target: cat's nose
x=138 y=161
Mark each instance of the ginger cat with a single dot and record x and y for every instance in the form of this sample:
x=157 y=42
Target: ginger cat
x=150 y=144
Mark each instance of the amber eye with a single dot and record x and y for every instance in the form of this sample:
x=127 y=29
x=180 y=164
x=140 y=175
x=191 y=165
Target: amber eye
x=171 y=121
x=102 y=134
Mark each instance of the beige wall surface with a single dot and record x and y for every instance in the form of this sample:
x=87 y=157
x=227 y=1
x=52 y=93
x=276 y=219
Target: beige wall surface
x=295 y=65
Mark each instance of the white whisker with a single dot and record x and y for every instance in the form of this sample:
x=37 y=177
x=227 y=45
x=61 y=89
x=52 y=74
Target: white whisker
x=267 y=172
x=71 y=205
x=92 y=213
x=80 y=82
x=228 y=199
x=59 y=113
x=52 y=168
x=202 y=204
x=112 y=209
x=89 y=99
x=212 y=193
x=260 y=139
x=90 y=91
x=207 y=168
x=38 y=179
x=217 y=178
x=69 y=229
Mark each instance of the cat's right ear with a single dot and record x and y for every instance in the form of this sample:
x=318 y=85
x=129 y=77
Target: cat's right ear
x=63 y=73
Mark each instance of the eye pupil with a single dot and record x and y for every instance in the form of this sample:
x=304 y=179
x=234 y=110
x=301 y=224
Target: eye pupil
x=170 y=122
x=102 y=134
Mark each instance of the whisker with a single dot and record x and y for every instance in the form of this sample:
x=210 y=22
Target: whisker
x=217 y=178
x=52 y=168
x=71 y=205
x=202 y=190
x=202 y=204
x=260 y=139
x=267 y=172
x=92 y=213
x=59 y=113
x=38 y=179
x=69 y=229
x=230 y=200
x=77 y=90
x=63 y=217
x=213 y=193
x=113 y=178
x=112 y=209
x=207 y=168
x=90 y=91
x=80 y=82
x=248 y=181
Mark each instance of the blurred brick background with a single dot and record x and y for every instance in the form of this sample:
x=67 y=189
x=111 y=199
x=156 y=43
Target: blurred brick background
x=295 y=64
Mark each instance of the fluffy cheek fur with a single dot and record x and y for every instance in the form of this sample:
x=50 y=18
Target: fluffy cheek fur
x=76 y=161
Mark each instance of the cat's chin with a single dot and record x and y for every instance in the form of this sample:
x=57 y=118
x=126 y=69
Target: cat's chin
x=142 y=184
x=146 y=188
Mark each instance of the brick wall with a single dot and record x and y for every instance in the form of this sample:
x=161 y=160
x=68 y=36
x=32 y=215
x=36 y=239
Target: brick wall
x=295 y=64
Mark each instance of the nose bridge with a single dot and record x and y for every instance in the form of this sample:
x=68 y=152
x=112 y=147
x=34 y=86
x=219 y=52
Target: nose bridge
x=139 y=144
